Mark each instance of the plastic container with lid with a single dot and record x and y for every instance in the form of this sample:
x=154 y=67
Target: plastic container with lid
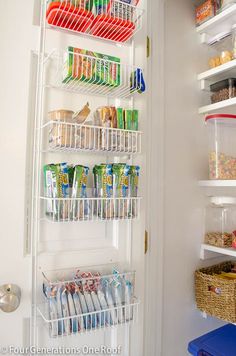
x=221 y=49
x=222 y=146
x=218 y=342
x=220 y=222
x=223 y=90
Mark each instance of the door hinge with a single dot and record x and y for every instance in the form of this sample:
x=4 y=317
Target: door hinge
x=148 y=47
x=146 y=242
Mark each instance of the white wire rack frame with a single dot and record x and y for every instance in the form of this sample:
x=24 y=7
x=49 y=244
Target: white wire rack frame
x=88 y=302
x=81 y=324
x=90 y=209
x=70 y=137
x=88 y=74
x=114 y=21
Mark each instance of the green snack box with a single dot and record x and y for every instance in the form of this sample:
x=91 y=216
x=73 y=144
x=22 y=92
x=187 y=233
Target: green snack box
x=120 y=118
x=128 y=119
x=91 y=67
x=135 y=120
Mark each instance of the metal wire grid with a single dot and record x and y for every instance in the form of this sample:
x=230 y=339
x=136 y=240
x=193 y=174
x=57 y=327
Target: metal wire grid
x=90 y=322
x=90 y=209
x=70 y=137
x=116 y=22
x=87 y=74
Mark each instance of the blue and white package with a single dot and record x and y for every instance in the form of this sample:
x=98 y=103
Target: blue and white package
x=104 y=306
x=100 y=315
x=128 y=301
x=87 y=318
x=91 y=309
x=78 y=312
x=110 y=302
x=61 y=326
x=72 y=312
x=65 y=311
x=117 y=297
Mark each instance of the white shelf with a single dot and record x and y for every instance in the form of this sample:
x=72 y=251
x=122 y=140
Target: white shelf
x=218 y=73
x=217 y=106
x=70 y=137
x=208 y=251
x=217 y=183
x=220 y=23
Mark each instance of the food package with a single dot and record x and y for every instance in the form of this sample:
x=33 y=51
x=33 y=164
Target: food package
x=78 y=312
x=52 y=305
x=91 y=309
x=61 y=325
x=97 y=306
x=106 y=116
x=72 y=312
x=80 y=208
x=205 y=11
x=56 y=183
x=110 y=302
x=137 y=82
x=65 y=312
x=104 y=306
x=81 y=116
x=91 y=67
x=121 y=189
x=117 y=297
x=134 y=182
x=128 y=300
x=84 y=307
x=83 y=4
x=103 y=189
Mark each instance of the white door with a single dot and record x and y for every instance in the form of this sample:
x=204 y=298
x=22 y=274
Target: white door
x=58 y=246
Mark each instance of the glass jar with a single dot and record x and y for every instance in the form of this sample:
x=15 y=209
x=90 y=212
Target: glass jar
x=220 y=222
x=222 y=146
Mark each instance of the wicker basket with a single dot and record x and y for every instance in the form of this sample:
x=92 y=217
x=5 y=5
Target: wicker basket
x=214 y=295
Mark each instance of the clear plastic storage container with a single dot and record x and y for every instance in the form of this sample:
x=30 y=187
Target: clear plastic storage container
x=221 y=49
x=222 y=146
x=223 y=90
x=220 y=221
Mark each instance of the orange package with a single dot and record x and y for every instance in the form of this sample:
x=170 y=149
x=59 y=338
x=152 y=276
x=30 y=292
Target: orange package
x=205 y=11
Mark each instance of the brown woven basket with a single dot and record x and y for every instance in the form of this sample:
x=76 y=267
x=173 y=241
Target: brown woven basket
x=214 y=295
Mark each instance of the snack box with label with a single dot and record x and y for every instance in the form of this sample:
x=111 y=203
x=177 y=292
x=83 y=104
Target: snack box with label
x=91 y=67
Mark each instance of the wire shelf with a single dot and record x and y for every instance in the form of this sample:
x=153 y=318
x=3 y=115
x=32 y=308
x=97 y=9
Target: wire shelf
x=115 y=21
x=91 y=209
x=70 y=137
x=88 y=74
x=79 y=302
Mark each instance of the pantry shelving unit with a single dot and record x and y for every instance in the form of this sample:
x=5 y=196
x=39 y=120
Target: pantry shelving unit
x=112 y=28
x=220 y=23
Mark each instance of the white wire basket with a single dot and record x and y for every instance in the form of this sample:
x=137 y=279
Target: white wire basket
x=70 y=137
x=78 y=302
x=114 y=21
x=94 y=75
x=91 y=209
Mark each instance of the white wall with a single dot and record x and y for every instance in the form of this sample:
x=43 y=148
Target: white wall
x=185 y=161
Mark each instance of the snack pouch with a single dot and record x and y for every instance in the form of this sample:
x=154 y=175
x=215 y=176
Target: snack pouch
x=104 y=306
x=51 y=188
x=91 y=309
x=87 y=317
x=63 y=190
x=110 y=302
x=103 y=189
x=80 y=207
x=128 y=312
x=137 y=82
x=78 y=312
x=52 y=306
x=121 y=189
x=117 y=297
x=134 y=181
x=65 y=311
x=72 y=312
x=100 y=315
x=102 y=6
x=91 y=67
x=61 y=325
